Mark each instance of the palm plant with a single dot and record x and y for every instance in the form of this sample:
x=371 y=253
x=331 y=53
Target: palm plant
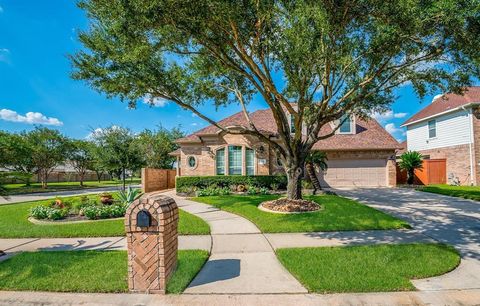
x=316 y=160
x=409 y=161
x=130 y=195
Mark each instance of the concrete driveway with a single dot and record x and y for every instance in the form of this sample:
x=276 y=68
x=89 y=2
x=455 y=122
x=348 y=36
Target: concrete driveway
x=450 y=220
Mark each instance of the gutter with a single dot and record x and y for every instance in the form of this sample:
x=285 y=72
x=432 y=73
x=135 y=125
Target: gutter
x=470 y=125
x=442 y=113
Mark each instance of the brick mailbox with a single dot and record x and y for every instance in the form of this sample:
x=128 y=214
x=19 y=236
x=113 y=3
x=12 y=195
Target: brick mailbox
x=152 y=242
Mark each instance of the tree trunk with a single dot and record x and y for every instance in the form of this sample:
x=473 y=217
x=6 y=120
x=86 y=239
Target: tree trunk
x=410 y=176
x=294 y=182
x=44 y=178
x=313 y=177
x=123 y=178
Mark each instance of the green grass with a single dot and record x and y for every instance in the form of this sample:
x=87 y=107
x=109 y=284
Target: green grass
x=367 y=268
x=338 y=214
x=86 y=271
x=466 y=192
x=13 y=189
x=14 y=224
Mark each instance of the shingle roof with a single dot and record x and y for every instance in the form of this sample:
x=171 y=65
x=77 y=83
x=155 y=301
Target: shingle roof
x=446 y=103
x=369 y=134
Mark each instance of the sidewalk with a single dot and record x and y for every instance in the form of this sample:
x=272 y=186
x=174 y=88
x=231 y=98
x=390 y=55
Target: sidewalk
x=47 y=195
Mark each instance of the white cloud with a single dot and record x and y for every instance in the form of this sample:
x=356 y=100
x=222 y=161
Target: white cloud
x=153 y=101
x=99 y=131
x=4 y=55
x=388 y=115
x=392 y=129
x=194 y=124
x=29 y=118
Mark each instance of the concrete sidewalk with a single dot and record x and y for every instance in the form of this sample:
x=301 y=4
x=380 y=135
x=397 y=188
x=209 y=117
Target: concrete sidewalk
x=454 y=297
x=47 y=195
x=242 y=260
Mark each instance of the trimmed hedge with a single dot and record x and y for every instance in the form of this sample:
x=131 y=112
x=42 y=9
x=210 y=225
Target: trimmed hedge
x=201 y=182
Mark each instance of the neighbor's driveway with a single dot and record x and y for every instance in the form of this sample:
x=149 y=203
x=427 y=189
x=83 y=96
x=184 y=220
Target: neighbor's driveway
x=454 y=221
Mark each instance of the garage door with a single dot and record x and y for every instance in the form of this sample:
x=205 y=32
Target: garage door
x=359 y=172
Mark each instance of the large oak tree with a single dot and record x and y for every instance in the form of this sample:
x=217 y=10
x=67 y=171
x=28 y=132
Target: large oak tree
x=330 y=58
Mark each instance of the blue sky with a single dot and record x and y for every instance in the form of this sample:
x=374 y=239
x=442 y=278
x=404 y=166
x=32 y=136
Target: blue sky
x=35 y=87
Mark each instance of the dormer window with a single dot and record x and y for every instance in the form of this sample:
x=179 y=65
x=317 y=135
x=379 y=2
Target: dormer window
x=346 y=125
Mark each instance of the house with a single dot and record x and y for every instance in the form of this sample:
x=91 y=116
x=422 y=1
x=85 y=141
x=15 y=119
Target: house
x=449 y=128
x=361 y=153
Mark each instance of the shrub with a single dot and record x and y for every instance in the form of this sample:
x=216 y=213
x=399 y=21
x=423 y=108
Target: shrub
x=45 y=212
x=252 y=190
x=213 y=191
x=93 y=212
x=202 y=182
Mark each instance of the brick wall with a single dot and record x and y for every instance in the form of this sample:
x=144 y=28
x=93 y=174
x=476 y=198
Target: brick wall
x=152 y=250
x=476 y=145
x=157 y=179
x=458 y=160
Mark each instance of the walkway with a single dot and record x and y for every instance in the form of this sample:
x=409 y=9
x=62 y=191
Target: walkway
x=242 y=260
x=454 y=297
x=450 y=220
x=47 y=195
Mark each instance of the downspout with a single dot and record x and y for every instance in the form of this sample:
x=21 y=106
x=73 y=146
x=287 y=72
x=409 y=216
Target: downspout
x=469 y=113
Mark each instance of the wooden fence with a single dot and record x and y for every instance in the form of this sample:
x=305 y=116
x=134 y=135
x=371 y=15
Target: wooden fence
x=157 y=179
x=434 y=171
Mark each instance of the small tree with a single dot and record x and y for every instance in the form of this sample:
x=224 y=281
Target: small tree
x=409 y=161
x=117 y=150
x=49 y=149
x=316 y=160
x=16 y=154
x=156 y=145
x=80 y=157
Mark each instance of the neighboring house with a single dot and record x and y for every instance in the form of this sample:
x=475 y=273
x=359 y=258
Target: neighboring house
x=361 y=153
x=449 y=128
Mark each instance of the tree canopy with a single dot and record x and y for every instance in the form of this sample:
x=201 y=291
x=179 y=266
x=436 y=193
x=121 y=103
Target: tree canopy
x=311 y=61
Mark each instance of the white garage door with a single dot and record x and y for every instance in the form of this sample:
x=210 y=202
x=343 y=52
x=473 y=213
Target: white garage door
x=358 y=172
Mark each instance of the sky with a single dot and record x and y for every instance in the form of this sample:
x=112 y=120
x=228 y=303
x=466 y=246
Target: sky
x=36 y=89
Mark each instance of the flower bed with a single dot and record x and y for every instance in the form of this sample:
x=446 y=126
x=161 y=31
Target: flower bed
x=103 y=206
x=284 y=205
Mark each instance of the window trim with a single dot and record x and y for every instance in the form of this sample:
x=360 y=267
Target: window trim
x=188 y=162
x=430 y=129
x=242 y=161
x=225 y=157
x=253 y=161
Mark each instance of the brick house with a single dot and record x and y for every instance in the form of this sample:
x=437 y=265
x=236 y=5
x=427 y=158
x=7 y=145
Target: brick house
x=449 y=128
x=361 y=153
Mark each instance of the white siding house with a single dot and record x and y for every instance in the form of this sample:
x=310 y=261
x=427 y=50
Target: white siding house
x=451 y=129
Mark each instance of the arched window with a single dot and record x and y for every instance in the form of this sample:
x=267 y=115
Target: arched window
x=234 y=160
x=249 y=161
x=220 y=161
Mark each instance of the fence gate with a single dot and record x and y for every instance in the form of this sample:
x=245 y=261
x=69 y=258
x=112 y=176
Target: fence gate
x=434 y=172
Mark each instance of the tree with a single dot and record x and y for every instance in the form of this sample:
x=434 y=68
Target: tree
x=310 y=62
x=156 y=145
x=409 y=161
x=17 y=156
x=97 y=164
x=316 y=160
x=49 y=149
x=80 y=157
x=117 y=151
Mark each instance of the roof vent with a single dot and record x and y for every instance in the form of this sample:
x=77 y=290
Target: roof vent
x=436 y=97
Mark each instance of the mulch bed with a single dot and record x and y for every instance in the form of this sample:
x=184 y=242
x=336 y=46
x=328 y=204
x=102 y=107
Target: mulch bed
x=290 y=206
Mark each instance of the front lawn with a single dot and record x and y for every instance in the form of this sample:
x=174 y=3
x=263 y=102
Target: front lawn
x=13 y=189
x=367 y=268
x=86 y=271
x=466 y=192
x=338 y=214
x=14 y=224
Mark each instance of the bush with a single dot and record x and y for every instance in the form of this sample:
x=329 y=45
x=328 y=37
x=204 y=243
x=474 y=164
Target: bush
x=202 y=182
x=213 y=191
x=44 y=212
x=94 y=212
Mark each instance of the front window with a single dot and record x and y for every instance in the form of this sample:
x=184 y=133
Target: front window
x=432 y=129
x=235 y=160
x=249 y=161
x=192 y=162
x=345 y=125
x=220 y=161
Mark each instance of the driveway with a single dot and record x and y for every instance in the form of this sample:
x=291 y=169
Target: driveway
x=450 y=220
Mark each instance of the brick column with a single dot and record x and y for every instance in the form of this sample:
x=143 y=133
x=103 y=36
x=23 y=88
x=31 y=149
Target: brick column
x=391 y=172
x=152 y=250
